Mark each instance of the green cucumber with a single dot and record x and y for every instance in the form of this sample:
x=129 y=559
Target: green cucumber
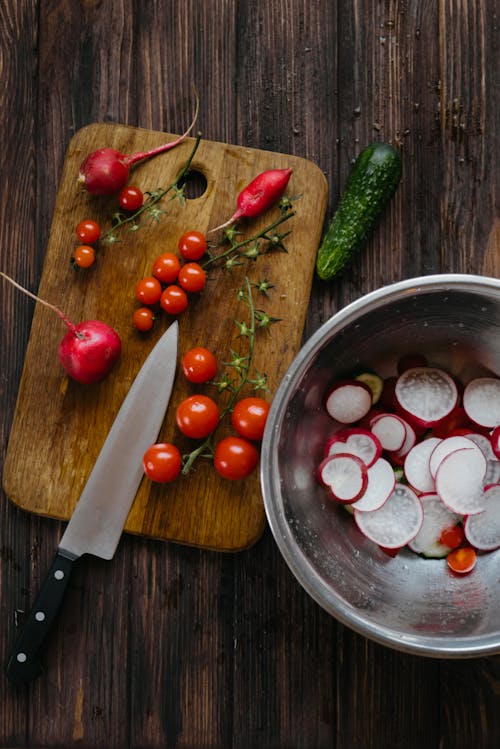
x=371 y=184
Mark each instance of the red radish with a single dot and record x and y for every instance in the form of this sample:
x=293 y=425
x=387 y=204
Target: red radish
x=427 y=394
x=444 y=448
x=459 y=481
x=481 y=401
x=495 y=442
x=381 y=483
x=390 y=430
x=345 y=476
x=410 y=439
x=417 y=468
x=106 y=171
x=259 y=195
x=437 y=518
x=89 y=350
x=348 y=401
x=355 y=441
x=483 y=530
x=396 y=523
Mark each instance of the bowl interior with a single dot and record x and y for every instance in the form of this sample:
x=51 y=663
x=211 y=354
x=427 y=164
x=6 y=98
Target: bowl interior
x=406 y=602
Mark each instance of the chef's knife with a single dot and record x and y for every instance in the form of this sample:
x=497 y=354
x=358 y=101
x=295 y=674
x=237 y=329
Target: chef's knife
x=97 y=522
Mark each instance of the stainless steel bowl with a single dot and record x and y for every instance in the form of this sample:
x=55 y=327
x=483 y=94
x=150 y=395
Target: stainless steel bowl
x=407 y=603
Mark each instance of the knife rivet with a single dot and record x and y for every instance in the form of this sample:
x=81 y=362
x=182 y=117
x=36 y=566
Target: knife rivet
x=22 y=657
x=39 y=616
x=59 y=574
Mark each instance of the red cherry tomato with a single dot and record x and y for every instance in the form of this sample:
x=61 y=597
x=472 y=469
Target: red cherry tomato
x=192 y=245
x=452 y=536
x=148 y=290
x=249 y=417
x=192 y=277
x=174 y=300
x=88 y=231
x=143 y=319
x=84 y=256
x=166 y=267
x=462 y=560
x=235 y=458
x=197 y=416
x=199 y=365
x=131 y=198
x=162 y=462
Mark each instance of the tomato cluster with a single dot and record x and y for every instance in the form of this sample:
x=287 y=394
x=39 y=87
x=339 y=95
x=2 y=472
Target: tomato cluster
x=88 y=233
x=171 y=280
x=198 y=416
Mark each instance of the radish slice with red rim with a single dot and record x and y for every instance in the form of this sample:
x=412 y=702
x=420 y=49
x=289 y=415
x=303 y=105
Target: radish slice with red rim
x=481 y=401
x=410 y=440
x=381 y=483
x=390 y=430
x=459 y=480
x=445 y=447
x=492 y=475
x=495 y=442
x=396 y=523
x=355 y=441
x=345 y=476
x=417 y=465
x=348 y=401
x=483 y=443
x=437 y=518
x=426 y=394
x=483 y=531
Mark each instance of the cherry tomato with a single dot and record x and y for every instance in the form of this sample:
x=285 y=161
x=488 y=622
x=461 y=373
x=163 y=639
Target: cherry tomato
x=462 y=560
x=162 y=462
x=131 y=198
x=192 y=277
x=148 y=290
x=84 y=256
x=166 y=267
x=174 y=300
x=197 y=416
x=88 y=231
x=192 y=245
x=452 y=536
x=143 y=319
x=249 y=417
x=199 y=365
x=235 y=458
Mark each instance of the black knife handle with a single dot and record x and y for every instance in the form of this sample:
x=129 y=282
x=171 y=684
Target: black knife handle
x=24 y=661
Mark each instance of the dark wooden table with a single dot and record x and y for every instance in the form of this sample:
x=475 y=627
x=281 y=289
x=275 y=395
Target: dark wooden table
x=168 y=646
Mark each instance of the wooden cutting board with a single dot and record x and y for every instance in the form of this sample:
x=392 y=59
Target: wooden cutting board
x=59 y=425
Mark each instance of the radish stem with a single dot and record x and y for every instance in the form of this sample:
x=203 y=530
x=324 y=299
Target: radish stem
x=59 y=312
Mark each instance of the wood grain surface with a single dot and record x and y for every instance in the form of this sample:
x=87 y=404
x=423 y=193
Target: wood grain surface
x=72 y=420
x=174 y=646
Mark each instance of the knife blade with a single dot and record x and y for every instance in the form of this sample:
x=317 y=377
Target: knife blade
x=97 y=522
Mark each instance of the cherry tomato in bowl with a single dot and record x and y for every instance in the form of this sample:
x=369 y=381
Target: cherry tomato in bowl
x=235 y=458
x=162 y=462
x=197 y=416
x=199 y=365
x=249 y=417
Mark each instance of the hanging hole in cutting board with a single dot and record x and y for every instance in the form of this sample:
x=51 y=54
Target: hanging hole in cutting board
x=194 y=183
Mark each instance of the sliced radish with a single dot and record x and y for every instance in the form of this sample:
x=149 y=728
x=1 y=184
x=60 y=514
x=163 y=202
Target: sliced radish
x=410 y=440
x=437 y=518
x=483 y=531
x=483 y=443
x=390 y=430
x=459 y=480
x=396 y=523
x=495 y=442
x=355 y=441
x=426 y=394
x=492 y=475
x=417 y=465
x=445 y=447
x=345 y=476
x=381 y=483
x=481 y=401
x=348 y=401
